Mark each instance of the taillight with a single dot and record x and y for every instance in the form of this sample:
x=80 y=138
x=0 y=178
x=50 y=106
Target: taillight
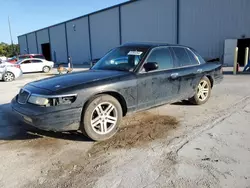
x=221 y=70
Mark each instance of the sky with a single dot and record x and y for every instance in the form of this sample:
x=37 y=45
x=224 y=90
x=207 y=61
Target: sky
x=29 y=15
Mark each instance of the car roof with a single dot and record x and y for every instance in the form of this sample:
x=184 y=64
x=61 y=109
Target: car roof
x=152 y=44
x=33 y=59
x=30 y=55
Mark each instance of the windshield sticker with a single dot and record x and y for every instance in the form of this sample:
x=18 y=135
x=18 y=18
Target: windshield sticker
x=135 y=53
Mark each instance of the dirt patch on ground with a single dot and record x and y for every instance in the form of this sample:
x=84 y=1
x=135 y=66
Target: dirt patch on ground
x=137 y=130
x=85 y=168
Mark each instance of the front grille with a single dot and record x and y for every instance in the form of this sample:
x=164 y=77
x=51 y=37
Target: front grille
x=23 y=96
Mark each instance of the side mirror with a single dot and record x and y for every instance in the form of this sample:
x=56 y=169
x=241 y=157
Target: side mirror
x=150 y=66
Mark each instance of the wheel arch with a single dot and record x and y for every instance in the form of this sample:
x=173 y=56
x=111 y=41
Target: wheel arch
x=211 y=80
x=114 y=94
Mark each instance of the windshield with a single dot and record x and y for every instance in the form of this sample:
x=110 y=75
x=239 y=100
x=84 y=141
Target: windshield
x=121 y=59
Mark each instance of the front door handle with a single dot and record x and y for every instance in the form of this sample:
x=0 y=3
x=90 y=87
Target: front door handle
x=199 y=70
x=174 y=75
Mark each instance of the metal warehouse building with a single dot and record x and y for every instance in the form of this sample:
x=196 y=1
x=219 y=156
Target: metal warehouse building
x=201 y=24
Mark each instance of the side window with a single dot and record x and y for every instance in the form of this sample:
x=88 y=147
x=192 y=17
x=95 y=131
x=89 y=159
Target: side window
x=192 y=57
x=182 y=56
x=202 y=61
x=36 y=61
x=26 y=62
x=163 y=57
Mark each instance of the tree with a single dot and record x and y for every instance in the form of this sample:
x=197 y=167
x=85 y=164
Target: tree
x=9 y=50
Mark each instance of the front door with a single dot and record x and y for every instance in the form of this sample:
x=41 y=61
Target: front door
x=159 y=86
x=26 y=66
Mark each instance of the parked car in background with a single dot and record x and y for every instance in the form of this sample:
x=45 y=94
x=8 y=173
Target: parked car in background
x=25 y=56
x=35 y=65
x=3 y=59
x=95 y=101
x=9 y=71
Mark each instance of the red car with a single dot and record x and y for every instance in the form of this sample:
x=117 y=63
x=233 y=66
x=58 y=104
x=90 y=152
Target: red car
x=25 y=56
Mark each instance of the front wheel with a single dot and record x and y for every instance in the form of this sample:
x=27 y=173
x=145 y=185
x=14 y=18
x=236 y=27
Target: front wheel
x=101 y=118
x=8 y=77
x=202 y=92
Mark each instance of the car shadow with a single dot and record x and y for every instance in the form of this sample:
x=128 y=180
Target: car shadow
x=12 y=129
x=183 y=103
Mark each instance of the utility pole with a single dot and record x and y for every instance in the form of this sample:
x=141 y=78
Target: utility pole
x=11 y=36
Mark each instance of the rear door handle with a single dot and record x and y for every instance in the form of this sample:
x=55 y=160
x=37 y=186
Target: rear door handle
x=174 y=75
x=199 y=70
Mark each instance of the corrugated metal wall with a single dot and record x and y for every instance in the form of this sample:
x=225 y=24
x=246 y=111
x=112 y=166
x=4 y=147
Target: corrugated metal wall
x=78 y=40
x=32 y=43
x=205 y=24
x=104 y=36
x=149 y=20
x=23 y=44
x=58 y=43
x=42 y=38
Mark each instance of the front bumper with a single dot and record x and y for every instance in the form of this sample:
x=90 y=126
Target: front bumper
x=62 y=120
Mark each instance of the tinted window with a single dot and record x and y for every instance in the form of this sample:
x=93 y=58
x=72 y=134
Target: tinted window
x=182 y=56
x=36 y=61
x=192 y=57
x=163 y=57
x=26 y=62
x=199 y=57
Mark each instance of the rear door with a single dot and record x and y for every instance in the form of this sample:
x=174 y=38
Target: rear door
x=38 y=65
x=188 y=69
x=159 y=86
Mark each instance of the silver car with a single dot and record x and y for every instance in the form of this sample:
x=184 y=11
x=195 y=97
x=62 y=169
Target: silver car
x=9 y=71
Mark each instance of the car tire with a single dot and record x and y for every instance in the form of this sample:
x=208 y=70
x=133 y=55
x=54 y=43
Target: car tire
x=46 y=69
x=101 y=118
x=202 y=92
x=8 y=77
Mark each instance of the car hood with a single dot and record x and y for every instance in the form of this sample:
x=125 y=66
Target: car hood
x=73 y=79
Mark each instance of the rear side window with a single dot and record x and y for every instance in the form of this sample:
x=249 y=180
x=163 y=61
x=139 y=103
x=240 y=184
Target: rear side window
x=202 y=61
x=182 y=56
x=36 y=61
x=192 y=57
x=163 y=57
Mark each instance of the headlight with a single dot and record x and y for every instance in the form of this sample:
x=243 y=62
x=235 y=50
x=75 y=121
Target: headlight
x=54 y=100
x=38 y=100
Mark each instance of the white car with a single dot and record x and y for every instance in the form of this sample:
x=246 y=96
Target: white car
x=9 y=71
x=35 y=65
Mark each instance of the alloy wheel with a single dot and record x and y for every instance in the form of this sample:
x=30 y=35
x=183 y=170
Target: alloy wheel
x=46 y=69
x=8 y=77
x=104 y=118
x=203 y=90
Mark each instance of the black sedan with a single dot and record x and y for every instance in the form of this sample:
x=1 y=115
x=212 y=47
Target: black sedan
x=129 y=78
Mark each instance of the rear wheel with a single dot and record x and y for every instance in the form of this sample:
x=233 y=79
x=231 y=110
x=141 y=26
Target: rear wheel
x=203 y=92
x=46 y=69
x=8 y=77
x=101 y=118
